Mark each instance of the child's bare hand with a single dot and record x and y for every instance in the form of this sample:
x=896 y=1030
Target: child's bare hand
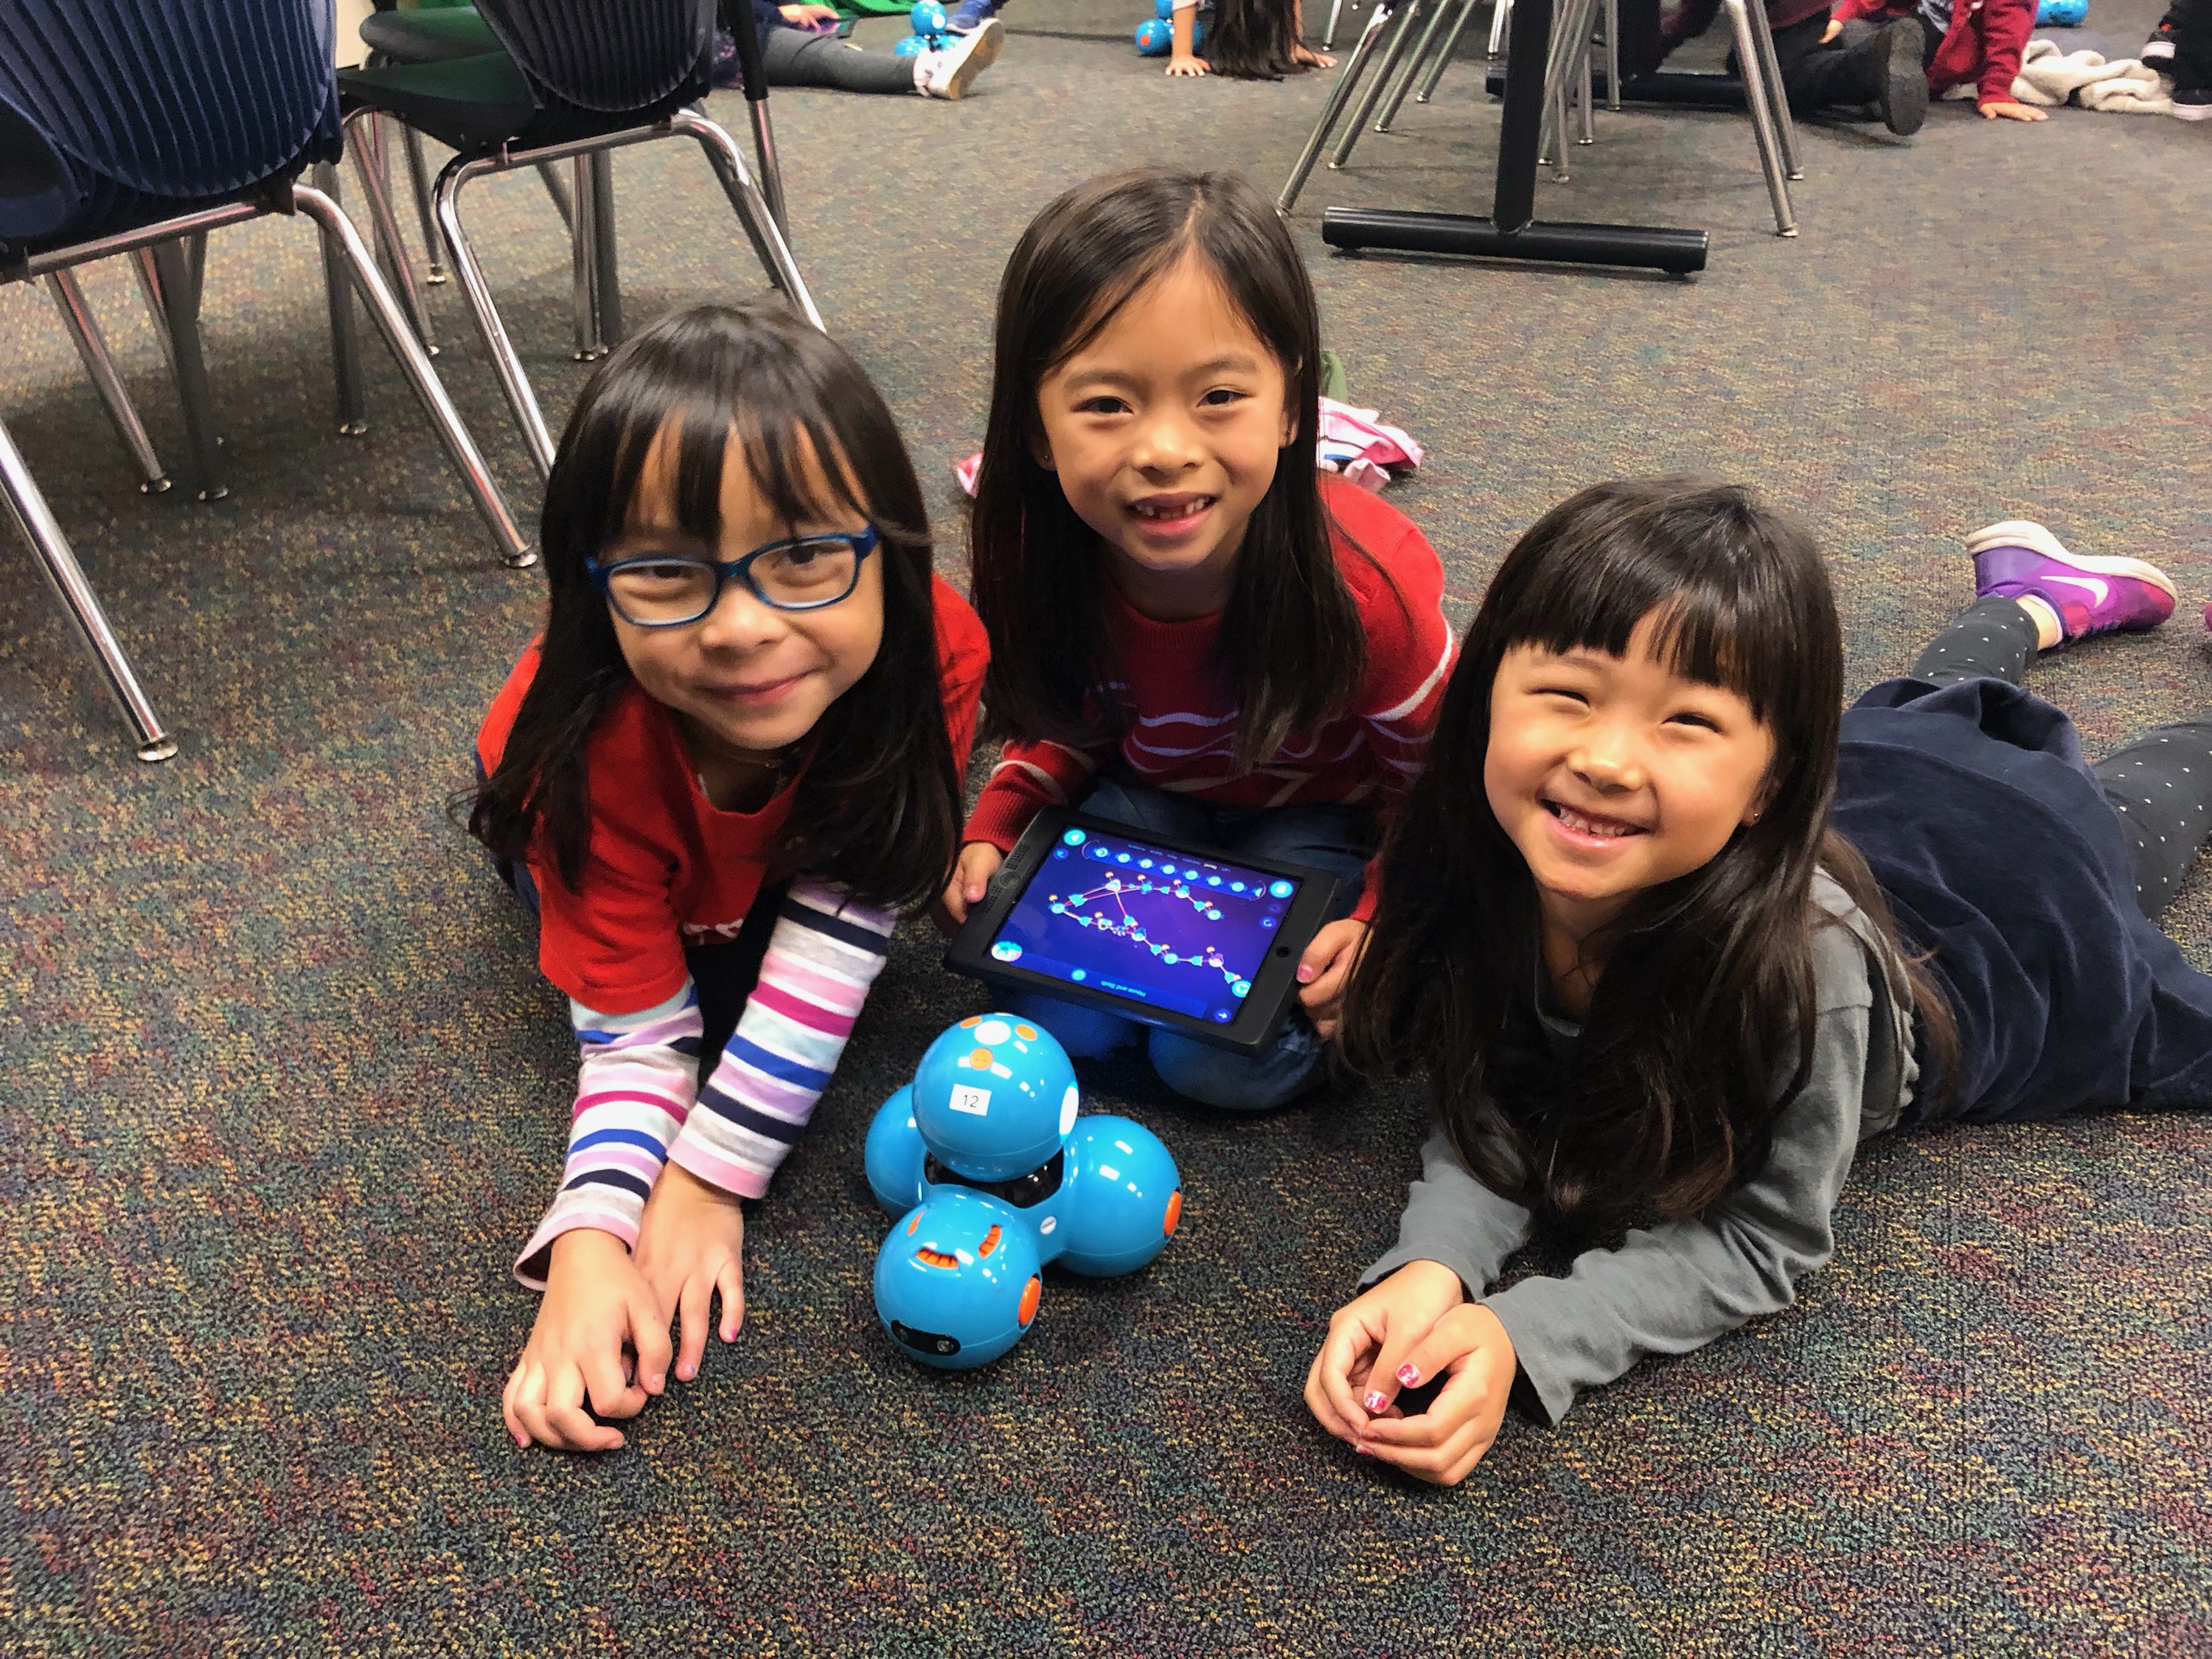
x=1180 y=65
x=2003 y=109
x=597 y=1304
x=1443 y=1445
x=1324 y=968
x=1835 y=27
x=971 y=878
x=1393 y=1315
x=691 y=1247
x=1312 y=59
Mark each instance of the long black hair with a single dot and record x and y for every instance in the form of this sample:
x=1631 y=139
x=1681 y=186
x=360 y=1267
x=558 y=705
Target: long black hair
x=1291 y=647
x=1251 y=40
x=877 y=805
x=1707 y=996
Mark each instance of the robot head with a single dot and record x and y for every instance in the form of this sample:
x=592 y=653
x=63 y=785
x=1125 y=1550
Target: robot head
x=1124 y=1199
x=994 y=1096
x=957 y=1280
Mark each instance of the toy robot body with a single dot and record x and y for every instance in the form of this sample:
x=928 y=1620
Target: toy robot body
x=980 y=1210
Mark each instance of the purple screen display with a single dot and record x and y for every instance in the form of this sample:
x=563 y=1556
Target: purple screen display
x=1183 y=934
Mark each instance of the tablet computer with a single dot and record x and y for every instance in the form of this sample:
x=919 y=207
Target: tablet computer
x=1161 y=931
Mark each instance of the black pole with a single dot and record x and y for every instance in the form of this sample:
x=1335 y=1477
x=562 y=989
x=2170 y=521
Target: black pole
x=1520 y=124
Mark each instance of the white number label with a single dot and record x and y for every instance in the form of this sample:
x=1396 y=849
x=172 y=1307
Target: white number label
x=966 y=1097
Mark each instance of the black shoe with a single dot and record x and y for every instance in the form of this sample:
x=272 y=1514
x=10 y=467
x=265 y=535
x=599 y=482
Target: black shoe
x=1903 y=99
x=2158 y=50
x=2193 y=103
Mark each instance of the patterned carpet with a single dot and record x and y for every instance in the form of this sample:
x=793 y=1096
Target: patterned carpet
x=283 y=1089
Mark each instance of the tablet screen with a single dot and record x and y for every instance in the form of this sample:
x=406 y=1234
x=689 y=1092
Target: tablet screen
x=1113 y=913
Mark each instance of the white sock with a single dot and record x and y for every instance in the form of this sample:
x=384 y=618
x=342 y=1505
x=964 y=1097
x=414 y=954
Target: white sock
x=2049 y=630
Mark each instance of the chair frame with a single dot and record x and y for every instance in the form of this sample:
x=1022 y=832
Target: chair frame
x=723 y=154
x=167 y=246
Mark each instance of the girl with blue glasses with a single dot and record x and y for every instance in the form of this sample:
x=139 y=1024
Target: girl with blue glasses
x=731 y=759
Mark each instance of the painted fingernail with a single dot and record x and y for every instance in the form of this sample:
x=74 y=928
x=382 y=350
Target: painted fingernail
x=1408 y=1375
x=1363 y=1451
x=1375 y=1402
x=1305 y=975
x=523 y=1441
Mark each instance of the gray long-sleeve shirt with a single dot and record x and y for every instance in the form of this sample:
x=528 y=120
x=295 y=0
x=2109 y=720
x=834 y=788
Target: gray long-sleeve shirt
x=1676 y=1286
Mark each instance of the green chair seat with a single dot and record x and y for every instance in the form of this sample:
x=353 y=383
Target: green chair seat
x=465 y=103
x=428 y=37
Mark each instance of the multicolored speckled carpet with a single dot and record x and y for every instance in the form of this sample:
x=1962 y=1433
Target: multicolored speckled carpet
x=283 y=1090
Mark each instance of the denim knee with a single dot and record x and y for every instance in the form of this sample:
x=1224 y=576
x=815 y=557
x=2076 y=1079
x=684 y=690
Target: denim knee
x=1233 y=1083
x=1086 y=1033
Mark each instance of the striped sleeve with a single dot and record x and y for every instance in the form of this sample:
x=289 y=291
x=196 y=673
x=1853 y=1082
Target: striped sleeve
x=825 y=953
x=1028 y=777
x=633 y=1091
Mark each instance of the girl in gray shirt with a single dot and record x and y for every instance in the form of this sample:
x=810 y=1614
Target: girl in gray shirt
x=1671 y=936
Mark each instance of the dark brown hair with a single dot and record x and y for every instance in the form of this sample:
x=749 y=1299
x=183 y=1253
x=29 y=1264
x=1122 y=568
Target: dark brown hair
x=1292 y=646
x=1706 y=999
x=878 y=806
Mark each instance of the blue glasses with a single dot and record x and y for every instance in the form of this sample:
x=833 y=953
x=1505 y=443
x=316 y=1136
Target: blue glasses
x=668 y=590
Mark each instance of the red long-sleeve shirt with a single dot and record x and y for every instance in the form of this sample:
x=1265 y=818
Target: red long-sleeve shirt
x=1984 y=43
x=1178 y=722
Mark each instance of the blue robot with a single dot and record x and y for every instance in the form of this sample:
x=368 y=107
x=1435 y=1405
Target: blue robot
x=931 y=30
x=2061 y=14
x=1156 y=34
x=992 y=1174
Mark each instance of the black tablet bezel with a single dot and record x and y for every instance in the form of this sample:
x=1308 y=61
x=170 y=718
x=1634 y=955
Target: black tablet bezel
x=1273 y=984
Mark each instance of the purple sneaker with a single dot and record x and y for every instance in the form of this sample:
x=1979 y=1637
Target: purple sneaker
x=2090 y=596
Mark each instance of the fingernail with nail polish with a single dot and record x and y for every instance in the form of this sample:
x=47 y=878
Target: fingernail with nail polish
x=1408 y=1375
x=1374 y=1402
x=1363 y=1451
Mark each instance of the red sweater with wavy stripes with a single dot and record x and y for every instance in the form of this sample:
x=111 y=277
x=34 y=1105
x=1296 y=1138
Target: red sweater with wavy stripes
x=1179 y=722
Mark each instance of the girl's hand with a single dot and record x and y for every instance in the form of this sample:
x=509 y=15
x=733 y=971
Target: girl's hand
x=2005 y=109
x=1323 y=970
x=804 y=16
x=1390 y=1318
x=596 y=1304
x=690 y=1246
x=1183 y=65
x=971 y=876
x=1835 y=27
x=1303 y=54
x=1443 y=1443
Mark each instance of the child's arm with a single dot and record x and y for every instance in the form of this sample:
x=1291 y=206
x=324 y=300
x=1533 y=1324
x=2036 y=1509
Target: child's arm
x=1184 y=58
x=825 y=953
x=2006 y=25
x=1028 y=777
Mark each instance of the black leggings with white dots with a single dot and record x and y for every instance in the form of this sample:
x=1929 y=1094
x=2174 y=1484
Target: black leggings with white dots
x=2160 y=785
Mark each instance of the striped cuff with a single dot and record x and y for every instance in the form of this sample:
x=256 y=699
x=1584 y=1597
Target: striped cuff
x=634 y=1090
x=824 y=954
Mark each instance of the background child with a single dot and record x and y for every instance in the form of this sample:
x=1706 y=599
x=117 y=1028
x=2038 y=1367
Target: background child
x=1247 y=40
x=1977 y=41
x=1658 y=978
x=799 y=48
x=732 y=756
x=1193 y=633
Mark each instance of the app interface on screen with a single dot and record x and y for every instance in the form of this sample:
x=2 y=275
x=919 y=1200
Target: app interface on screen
x=1185 y=934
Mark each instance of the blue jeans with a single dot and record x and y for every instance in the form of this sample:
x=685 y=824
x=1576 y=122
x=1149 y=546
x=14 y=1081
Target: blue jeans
x=1337 y=839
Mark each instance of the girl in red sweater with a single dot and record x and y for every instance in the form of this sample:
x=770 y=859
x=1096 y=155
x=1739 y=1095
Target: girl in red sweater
x=732 y=756
x=1977 y=41
x=1191 y=633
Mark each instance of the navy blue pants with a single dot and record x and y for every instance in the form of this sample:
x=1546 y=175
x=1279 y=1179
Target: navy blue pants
x=2002 y=853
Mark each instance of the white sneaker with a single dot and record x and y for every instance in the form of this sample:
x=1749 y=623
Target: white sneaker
x=950 y=73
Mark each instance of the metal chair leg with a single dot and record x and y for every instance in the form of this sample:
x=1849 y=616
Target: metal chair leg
x=1777 y=100
x=1328 y=33
x=1500 y=18
x=345 y=340
x=606 y=283
x=364 y=132
x=392 y=322
x=1449 y=50
x=44 y=532
x=1391 y=104
x=1568 y=26
x=418 y=176
x=1613 y=54
x=751 y=207
x=584 y=263
x=508 y=367
x=1401 y=41
x=771 y=165
x=1582 y=93
x=166 y=271
x=1762 y=115
x=92 y=346
x=1346 y=79
x=550 y=173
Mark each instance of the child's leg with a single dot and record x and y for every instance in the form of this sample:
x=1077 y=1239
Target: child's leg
x=2160 y=785
x=1990 y=639
x=1339 y=839
x=794 y=58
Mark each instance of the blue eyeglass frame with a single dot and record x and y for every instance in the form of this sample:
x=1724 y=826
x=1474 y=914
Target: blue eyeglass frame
x=862 y=541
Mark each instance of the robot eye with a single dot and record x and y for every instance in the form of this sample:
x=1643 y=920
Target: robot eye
x=930 y=1258
x=990 y=1241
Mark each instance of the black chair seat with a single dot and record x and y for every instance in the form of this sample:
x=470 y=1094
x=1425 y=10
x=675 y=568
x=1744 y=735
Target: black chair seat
x=428 y=37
